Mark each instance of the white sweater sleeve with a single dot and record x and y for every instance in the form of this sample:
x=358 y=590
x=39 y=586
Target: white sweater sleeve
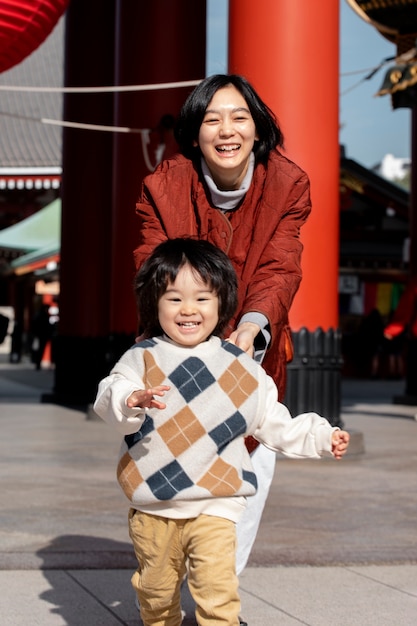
x=110 y=403
x=305 y=436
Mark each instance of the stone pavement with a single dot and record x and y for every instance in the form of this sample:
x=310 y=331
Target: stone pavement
x=337 y=543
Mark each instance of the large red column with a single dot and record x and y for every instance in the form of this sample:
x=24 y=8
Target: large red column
x=86 y=180
x=157 y=42
x=123 y=43
x=289 y=51
x=80 y=348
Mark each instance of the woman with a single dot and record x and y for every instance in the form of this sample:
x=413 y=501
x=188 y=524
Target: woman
x=231 y=185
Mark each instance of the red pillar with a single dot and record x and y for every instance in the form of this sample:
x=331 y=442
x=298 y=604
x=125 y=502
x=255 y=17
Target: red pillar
x=86 y=180
x=290 y=52
x=109 y=43
x=81 y=346
x=157 y=42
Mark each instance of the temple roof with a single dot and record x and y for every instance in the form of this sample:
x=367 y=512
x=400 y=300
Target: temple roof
x=396 y=20
x=26 y=142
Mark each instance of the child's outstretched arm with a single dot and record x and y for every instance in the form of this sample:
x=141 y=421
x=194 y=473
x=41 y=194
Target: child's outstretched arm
x=121 y=402
x=340 y=442
x=307 y=435
x=144 y=398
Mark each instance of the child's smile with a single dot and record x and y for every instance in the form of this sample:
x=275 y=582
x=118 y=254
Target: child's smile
x=189 y=309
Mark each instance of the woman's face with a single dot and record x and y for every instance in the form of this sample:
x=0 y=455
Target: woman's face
x=226 y=137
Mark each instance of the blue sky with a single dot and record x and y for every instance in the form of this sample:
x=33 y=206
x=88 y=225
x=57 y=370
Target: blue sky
x=370 y=128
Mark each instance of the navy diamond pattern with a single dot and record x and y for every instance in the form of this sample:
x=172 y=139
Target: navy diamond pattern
x=231 y=428
x=168 y=481
x=230 y=347
x=250 y=477
x=147 y=427
x=191 y=378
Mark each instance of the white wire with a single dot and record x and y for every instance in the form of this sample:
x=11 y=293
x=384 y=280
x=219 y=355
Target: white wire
x=113 y=129
x=370 y=74
x=132 y=88
x=125 y=88
x=144 y=132
x=120 y=88
x=63 y=123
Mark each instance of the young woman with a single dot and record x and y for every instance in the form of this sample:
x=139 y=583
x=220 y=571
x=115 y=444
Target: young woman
x=232 y=185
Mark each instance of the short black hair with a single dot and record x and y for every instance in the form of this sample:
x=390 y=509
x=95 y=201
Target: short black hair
x=194 y=108
x=161 y=268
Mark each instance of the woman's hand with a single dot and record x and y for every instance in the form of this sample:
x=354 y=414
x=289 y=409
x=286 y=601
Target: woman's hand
x=145 y=398
x=244 y=336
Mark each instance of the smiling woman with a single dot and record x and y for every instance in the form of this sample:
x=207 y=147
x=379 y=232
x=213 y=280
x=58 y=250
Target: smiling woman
x=232 y=185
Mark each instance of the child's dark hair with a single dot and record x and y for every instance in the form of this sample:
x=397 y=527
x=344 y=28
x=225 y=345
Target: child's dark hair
x=161 y=268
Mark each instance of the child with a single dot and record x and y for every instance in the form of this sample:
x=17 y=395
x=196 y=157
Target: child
x=183 y=464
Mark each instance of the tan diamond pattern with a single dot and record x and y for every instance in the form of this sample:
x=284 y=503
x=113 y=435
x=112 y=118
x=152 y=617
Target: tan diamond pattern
x=237 y=383
x=128 y=475
x=154 y=375
x=221 y=480
x=181 y=431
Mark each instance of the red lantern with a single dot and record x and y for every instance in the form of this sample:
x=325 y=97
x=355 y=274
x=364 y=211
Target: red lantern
x=24 y=25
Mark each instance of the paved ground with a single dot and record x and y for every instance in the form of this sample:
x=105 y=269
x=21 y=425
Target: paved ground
x=337 y=544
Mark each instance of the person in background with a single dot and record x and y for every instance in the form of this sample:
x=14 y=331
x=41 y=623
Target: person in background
x=403 y=324
x=4 y=327
x=232 y=185
x=183 y=464
x=41 y=332
x=370 y=340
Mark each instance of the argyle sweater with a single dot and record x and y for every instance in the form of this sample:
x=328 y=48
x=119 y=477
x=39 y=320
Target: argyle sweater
x=190 y=457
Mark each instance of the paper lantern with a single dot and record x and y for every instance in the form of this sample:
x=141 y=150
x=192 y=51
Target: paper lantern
x=24 y=25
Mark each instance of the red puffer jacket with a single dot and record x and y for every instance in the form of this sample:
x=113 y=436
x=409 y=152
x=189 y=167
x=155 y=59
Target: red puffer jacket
x=261 y=236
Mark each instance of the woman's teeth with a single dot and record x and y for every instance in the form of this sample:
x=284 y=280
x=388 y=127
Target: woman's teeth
x=227 y=148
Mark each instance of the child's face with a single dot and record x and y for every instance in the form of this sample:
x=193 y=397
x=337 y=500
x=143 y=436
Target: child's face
x=188 y=311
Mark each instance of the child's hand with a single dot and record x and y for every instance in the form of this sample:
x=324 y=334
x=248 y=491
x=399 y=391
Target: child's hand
x=340 y=442
x=145 y=398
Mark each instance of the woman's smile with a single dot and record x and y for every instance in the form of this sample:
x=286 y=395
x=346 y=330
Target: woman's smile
x=226 y=137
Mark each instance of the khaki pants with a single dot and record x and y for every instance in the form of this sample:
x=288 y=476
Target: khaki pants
x=163 y=547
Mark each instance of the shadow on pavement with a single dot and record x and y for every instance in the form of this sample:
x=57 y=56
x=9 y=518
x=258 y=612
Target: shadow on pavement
x=81 y=574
